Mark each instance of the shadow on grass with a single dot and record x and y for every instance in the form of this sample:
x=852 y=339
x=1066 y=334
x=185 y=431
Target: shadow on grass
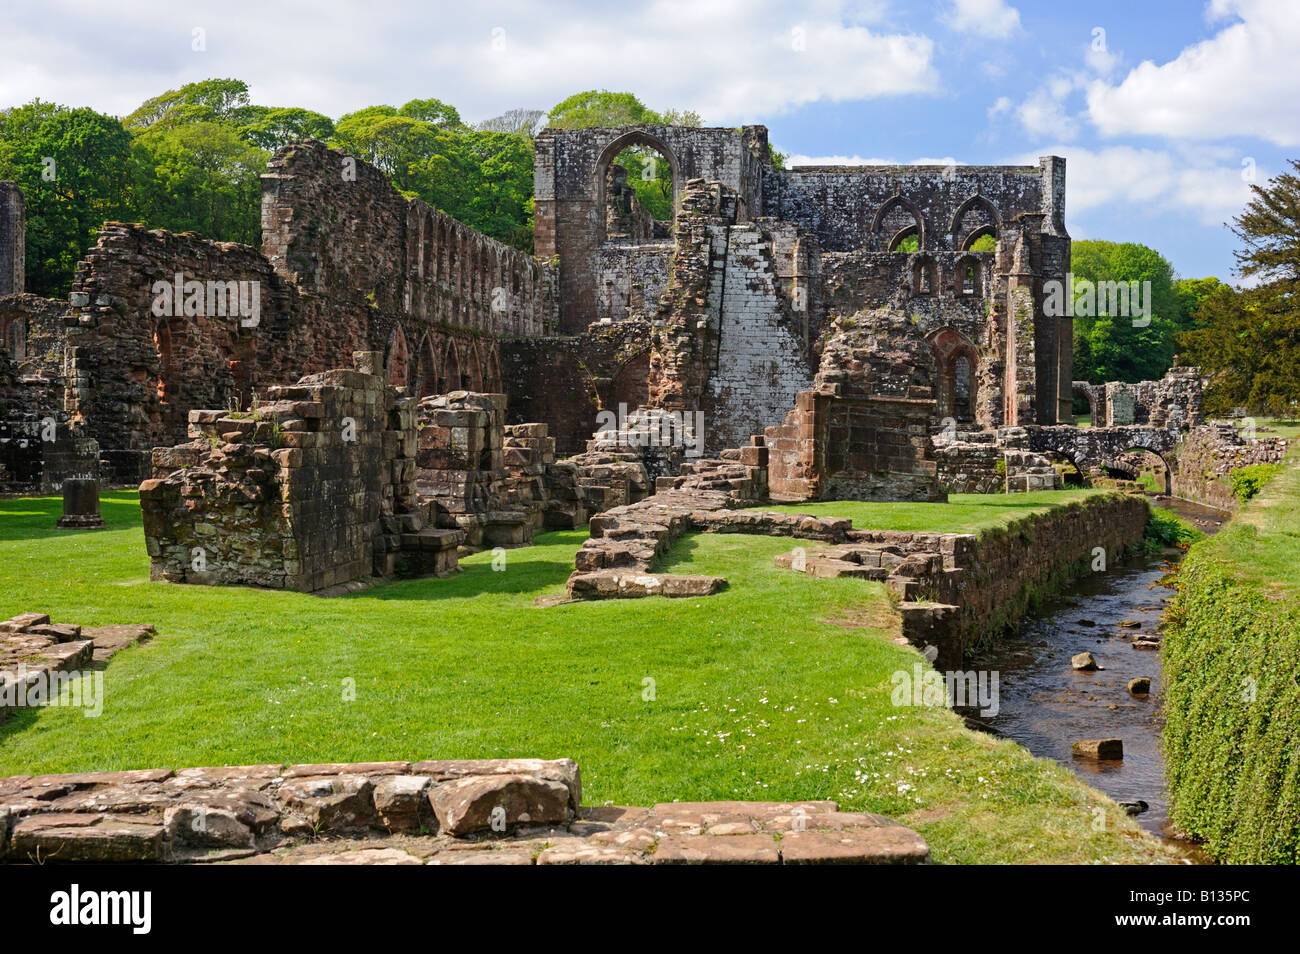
x=680 y=553
x=34 y=518
x=15 y=721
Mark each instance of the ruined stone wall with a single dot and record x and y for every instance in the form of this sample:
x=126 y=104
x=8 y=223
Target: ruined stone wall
x=549 y=380
x=569 y=181
x=864 y=207
x=1208 y=456
x=132 y=376
x=862 y=432
x=31 y=333
x=1173 y=401
x=418 y=277
x=630 y=278
x=312 y=488
x=348 y=264
x=734 y=332
x=763 y=348
x=853 y=448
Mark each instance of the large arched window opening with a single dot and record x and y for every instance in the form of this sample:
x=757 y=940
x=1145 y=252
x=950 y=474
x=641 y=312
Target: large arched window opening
x=957 y=365
x=638 y=184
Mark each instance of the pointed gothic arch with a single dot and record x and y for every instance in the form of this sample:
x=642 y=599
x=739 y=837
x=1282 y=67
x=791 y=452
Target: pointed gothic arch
x=894 y=221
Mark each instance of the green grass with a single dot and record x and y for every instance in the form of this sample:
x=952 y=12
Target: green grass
x=1278 y=427
x=966 y=513
x=778 y=688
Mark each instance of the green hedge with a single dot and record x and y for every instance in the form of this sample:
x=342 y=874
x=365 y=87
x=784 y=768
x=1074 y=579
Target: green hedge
x=1232 y=700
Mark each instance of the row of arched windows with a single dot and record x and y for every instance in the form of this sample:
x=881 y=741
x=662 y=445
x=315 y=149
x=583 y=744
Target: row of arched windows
x=899 y=226
x=486 y=285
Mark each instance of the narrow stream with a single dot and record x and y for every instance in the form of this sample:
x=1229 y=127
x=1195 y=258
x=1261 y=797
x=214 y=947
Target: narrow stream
x=1046 y=705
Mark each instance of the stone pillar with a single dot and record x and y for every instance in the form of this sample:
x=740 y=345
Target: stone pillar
x=12 y=255
x=80 y=505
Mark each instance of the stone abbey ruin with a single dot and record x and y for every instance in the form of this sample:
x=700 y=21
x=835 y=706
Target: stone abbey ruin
x=380 y=387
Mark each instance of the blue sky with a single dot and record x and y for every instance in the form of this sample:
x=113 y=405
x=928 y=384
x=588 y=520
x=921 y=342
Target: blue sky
x=1163 y=109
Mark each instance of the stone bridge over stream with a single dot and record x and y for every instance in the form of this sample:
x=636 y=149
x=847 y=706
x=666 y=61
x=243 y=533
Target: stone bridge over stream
x=1097 y=446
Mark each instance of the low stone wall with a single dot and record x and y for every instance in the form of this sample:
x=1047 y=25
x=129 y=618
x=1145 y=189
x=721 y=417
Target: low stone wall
x=959 y=591
x=439 y=811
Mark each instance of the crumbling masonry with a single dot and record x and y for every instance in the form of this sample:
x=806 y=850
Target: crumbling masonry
x=876 y=332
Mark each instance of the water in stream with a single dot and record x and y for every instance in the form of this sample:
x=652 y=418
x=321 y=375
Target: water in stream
x=1046 y=706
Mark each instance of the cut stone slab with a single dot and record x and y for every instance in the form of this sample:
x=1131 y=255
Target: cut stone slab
x=884 y=845
x=717 y=850
x=470 y=805
x=586 y=854
x=58 y=836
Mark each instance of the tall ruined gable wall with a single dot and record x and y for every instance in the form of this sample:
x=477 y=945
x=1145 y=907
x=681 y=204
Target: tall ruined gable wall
x=568 y=183
x=132 y=376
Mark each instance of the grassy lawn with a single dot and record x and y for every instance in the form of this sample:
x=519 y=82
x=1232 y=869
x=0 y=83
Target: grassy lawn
x=1278 y=427
x=778 y=688
x=964 y=513
x=1261 y=544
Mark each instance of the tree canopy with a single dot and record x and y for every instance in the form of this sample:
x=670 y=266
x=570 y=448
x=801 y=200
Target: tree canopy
x=1248 y=340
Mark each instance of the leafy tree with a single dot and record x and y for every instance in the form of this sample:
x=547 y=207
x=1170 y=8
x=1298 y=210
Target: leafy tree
x=202 y=177
x=1113 y=347
x=75 y=168
x=1191 y=292
x=211 y=100
x=432 y=111
x=270 y=128
x=1248 y=341
x=599 y=109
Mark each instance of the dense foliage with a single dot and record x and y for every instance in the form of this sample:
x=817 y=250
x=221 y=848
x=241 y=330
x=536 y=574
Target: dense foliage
x=190 y=160
x=1248 y=340
x=1250 y=480
x=1231 y=653
x=1113 y=347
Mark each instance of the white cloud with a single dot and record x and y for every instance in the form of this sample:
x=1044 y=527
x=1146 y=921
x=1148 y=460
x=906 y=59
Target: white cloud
x=1240 y=82
x=731 y=60
x=1044 y=113
x=1000 y=107
x=992 y=19
x=1130 y=181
